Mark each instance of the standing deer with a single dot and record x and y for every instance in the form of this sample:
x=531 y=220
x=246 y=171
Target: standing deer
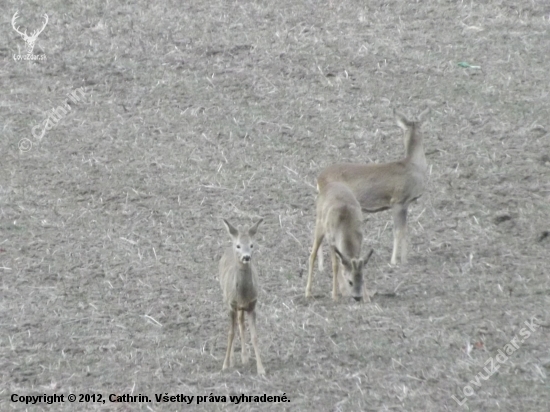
x=239 y=283
x=30 y=41
x=339 y=219
x=384 y=186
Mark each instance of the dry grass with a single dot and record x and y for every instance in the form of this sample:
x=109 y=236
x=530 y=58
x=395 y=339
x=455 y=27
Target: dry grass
x=110 y=231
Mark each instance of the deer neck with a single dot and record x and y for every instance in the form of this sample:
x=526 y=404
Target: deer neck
x=414 y=147
x=244 y=274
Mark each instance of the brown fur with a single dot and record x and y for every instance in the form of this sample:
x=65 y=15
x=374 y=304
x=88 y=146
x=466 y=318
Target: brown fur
x=339 y=219
x=239 y=283
x=394 y=185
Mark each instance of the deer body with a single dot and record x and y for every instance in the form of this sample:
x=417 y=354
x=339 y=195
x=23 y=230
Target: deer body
x=239 y=283
x=339 y=219
x=394 y=185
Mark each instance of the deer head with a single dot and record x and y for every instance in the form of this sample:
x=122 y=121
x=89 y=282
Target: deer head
x=29 y=40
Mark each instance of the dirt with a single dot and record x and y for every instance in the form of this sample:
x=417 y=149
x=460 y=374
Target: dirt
x=110 y=222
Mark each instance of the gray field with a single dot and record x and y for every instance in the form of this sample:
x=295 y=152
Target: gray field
x=190 y=111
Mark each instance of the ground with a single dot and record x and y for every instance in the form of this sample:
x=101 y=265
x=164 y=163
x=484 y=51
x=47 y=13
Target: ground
x=190 y=111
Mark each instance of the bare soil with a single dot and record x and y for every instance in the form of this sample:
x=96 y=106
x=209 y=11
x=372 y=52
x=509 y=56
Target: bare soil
x=110 y=228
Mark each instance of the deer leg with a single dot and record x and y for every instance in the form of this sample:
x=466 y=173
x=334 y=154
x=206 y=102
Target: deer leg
x=335 y=267
x=404 y=237
x=228 y=361
x=399 y=213
x=317 y=239
x=366 y=297
x=242 y=330
x=254 y=338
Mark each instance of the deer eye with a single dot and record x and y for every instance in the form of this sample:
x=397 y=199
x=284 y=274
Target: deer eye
x=238 y=246
x=350 y=282
x=251 y=246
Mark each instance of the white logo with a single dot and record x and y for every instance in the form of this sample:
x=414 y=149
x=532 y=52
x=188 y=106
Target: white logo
x=30 y=41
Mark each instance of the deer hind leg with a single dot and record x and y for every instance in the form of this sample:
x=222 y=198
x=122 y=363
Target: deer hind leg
x=335 y=267
x=254 y=338
x=242 y=330
x=317 y=240
x=399 y=213
x=228 y=361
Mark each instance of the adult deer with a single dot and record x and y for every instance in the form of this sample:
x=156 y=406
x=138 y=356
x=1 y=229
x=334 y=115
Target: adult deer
x=394 y=185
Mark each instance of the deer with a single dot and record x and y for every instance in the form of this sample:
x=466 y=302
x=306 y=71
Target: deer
x=239 y=283
x=29 y=40
x=394 y=185
x=338 y=219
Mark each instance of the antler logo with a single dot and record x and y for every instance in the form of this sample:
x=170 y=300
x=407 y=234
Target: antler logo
x=30 y=41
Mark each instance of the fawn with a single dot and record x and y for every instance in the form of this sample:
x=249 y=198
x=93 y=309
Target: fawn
x=339 y=219
x=239 y=282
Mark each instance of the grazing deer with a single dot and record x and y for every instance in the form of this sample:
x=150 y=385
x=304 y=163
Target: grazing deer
x=339 y=219
x=239 y=283
x=384 y=186
x=29 y=40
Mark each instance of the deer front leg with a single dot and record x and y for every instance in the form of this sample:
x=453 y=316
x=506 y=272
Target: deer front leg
x=242 y=330
x=228 y=361
x=399 y=213
x=318 y=238
x=366 y=297
x=254 y=338
x=335 y=267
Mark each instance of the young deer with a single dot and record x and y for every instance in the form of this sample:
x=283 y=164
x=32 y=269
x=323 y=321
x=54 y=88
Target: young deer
x=339 y=218
x=239 y=283
x=384 y=186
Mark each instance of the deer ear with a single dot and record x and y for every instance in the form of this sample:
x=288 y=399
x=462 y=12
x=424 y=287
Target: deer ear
x=252 y=231
x=401 y=120
x=422 y=116
x=366 y=259
x=230 y=229
x=356 y=265
x=342 y=258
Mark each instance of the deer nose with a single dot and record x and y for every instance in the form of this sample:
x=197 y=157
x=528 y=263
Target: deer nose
x=358 y=298
x=246 y=258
